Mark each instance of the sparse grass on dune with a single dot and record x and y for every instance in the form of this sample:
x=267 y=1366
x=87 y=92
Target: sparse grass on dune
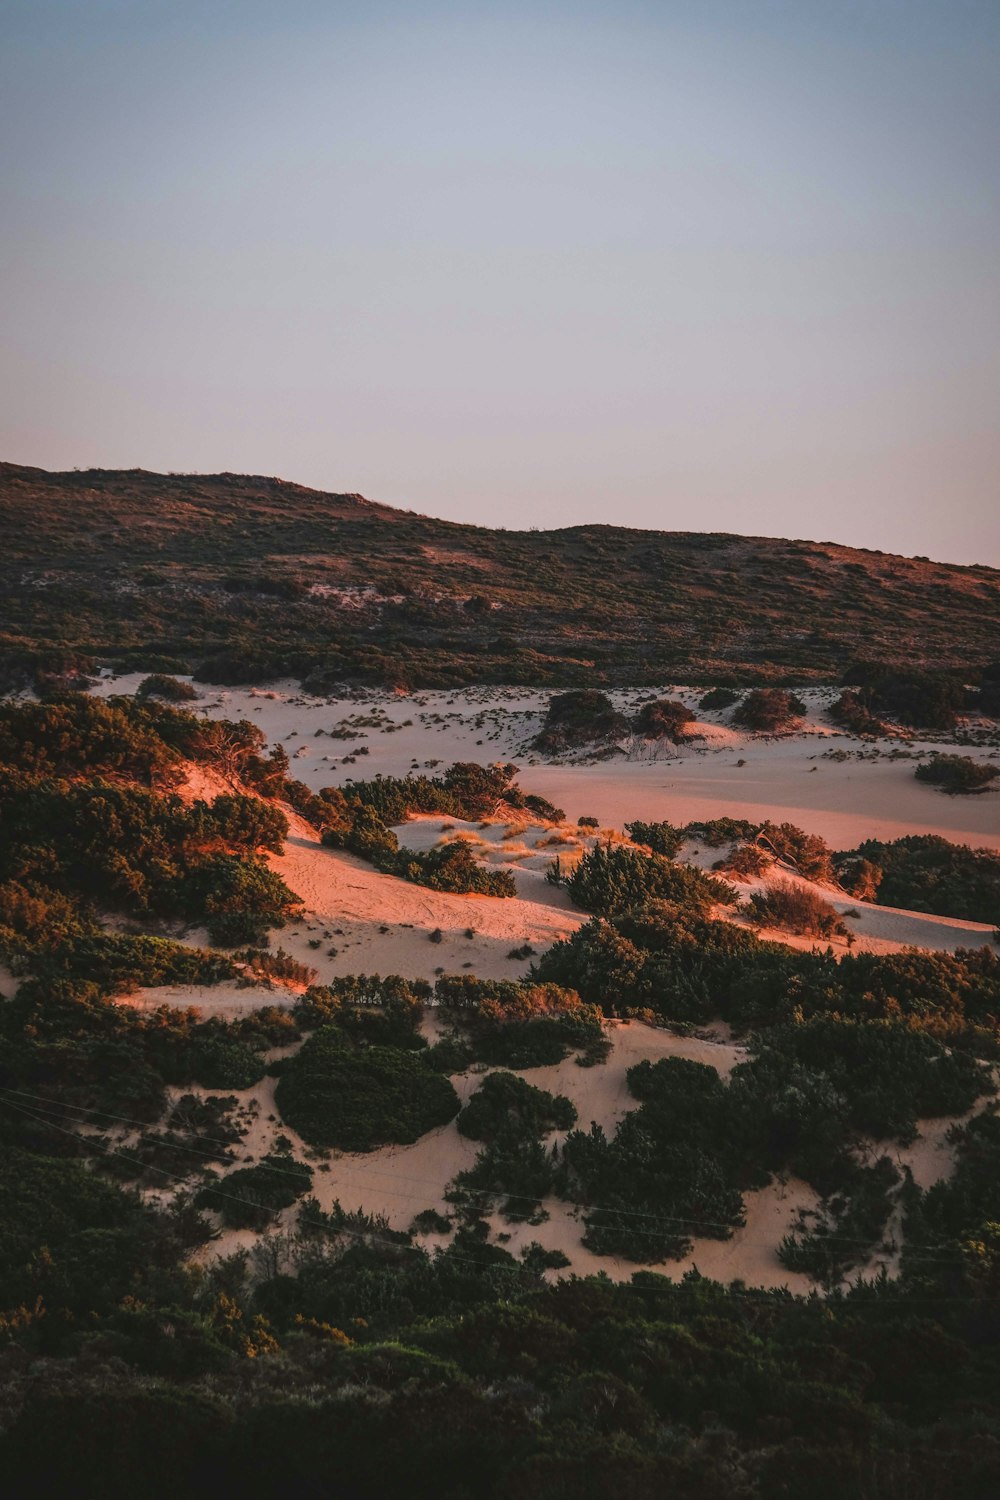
x=797 y=909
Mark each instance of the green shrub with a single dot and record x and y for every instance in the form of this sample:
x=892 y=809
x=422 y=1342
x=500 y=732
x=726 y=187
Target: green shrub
x=580 y=717
x=850 y=712
x=170 y=689
x=924 y=872
x=664 y=719
x=925 y=700
x=612 y=877
x=719 y=697
x=250 y=1197
x=357 y=1099
x=768 y=710
x=957 y=774
x=662 y=838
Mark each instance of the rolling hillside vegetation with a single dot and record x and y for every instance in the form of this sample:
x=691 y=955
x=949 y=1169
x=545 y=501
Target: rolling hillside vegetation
x=244 y=579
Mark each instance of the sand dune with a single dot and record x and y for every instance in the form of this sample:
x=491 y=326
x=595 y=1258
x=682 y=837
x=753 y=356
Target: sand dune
x=788 y=779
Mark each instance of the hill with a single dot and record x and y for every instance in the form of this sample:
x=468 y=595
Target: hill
x=243 y=578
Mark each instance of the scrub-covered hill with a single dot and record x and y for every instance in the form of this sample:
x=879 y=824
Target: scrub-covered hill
x=245 y=579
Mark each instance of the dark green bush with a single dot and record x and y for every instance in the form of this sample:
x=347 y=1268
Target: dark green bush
x=580 y=717
x=335 y=1095
x=503 y=1102
x=612 y=878
x=719 y=697
x=170 y=689
x=926 y=873
x=664 y=718
x=250 y=1197
x=662 y=838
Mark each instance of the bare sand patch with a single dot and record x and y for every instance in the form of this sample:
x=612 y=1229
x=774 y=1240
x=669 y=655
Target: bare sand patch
x=380 y=924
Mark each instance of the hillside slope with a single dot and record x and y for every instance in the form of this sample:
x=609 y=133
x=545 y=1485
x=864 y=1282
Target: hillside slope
x=247 y=578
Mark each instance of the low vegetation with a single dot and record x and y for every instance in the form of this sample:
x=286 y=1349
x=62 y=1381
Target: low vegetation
x=339 y=1353
x=664 y=719
x=924 y=872
x=919 y=699
x=357 y=819
x=851 y=713
x=581 y=717
x=613 y=877
x=251 y=1197
x=505 y=1104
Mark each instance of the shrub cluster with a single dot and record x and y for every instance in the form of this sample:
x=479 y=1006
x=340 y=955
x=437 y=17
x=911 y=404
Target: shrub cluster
x=810 y=1093
x=357 y=819
x=582 y=716
x=515 y=1025
x=719 y=697
x=505 y=1104
x=924 y=872
x=686 y=967
x=170 y=689
x=851 y=713
x=924 y=700
x=250 y=1197
x=145 y=854
x=664 y=719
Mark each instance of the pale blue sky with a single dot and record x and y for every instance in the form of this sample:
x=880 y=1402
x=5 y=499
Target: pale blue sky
x=699 y=265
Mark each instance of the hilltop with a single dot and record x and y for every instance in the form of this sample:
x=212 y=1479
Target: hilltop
x=243 y=578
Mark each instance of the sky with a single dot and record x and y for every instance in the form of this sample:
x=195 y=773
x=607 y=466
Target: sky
x=713 y=265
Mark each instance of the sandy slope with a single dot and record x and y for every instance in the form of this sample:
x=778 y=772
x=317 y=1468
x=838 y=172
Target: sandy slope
x=353 y=903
